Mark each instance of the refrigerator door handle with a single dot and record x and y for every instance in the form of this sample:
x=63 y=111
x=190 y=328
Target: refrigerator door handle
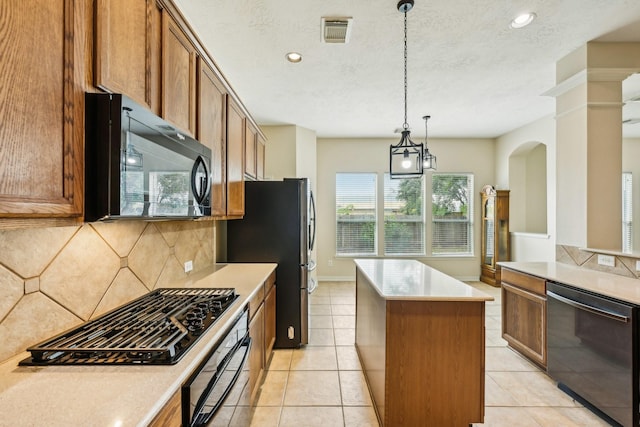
x=312 y=285
x=312 y=222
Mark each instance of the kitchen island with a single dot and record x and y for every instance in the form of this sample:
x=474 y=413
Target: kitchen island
x=110 y=395
x=421 y=342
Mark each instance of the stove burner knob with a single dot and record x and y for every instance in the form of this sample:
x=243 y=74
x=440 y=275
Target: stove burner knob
x=194 y=321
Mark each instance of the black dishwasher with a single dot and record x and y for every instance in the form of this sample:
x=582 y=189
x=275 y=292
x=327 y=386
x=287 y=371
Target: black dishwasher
x=592 y=351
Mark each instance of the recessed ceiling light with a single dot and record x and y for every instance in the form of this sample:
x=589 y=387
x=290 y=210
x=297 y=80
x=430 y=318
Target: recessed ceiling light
x=294 y=57
x=523 y=20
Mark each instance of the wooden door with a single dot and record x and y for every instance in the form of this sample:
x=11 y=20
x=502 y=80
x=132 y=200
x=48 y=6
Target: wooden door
x=178 y=76
x=127 y=52
x=269 y=323
x=212 y=105
x=235 y=159
x=43 y=50
x=256 y=357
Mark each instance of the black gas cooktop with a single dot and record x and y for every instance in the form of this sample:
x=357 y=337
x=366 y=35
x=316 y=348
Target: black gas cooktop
x=157 y=328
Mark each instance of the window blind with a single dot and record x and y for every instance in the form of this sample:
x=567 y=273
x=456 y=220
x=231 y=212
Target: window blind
x=403 y=216
x=356 y=214
x=452 y=214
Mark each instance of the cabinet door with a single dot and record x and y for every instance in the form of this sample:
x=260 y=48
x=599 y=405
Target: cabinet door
x=212 y=105
x=178 y=76
x=260 y=152
x=269 y=323
x=171 y=414
x=250 y=150
x=256 y=357
x=523 y=322
x=43 y=51
x=235 y=159
x=128 y=49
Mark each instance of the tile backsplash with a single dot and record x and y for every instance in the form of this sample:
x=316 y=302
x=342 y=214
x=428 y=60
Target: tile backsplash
x=624 y=265
x=52 y=279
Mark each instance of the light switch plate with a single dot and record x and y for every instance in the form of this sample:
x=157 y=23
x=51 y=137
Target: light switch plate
x=608 y=260
x=188 y=266
x=637 y=265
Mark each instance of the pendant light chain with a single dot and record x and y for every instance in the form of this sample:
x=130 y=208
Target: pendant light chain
x=405 y=125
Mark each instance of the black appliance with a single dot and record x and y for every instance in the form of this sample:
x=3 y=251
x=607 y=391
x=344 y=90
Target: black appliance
x=279 y=226
x=139 y=166
x=592 y=351
x=222 y=374
x=158 y=328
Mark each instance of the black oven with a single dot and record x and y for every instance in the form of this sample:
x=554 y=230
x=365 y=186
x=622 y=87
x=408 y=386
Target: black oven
x=592 y=351
x=220 y=377
x=139 y=166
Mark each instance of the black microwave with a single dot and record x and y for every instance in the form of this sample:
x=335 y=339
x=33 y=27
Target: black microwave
x=138 y=166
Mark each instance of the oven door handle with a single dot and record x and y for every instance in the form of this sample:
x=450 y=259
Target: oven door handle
x=600 y=312
x=202 y=419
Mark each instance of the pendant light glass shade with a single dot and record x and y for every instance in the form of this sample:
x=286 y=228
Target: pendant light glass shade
x=428 y=159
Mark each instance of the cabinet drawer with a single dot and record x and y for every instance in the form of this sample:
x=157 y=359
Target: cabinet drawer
x=256 y=301
x=524 y=281
x=268 y=284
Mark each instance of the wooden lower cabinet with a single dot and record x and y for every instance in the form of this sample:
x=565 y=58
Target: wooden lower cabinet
x=269 y=323
x=524 y=313
x=423 y=360
x=171 y=414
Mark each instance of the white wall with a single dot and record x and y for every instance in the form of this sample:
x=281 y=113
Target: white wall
x=475 y=156
x=527 y=246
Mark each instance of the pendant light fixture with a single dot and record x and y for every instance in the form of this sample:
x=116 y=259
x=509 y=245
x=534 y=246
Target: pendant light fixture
x=406 y=157
x=428 y=159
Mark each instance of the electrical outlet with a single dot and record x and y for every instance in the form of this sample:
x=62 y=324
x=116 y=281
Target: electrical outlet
x=330 y=262
x=637 y=265
x=188 y=266
x=608 y=260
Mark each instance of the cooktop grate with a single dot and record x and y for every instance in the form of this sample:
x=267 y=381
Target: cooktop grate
x=156 y=328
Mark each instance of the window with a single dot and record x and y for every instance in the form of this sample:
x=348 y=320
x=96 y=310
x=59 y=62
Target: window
x=452 y=214
x=356 y=214
x=403 y=216
x=627 y=212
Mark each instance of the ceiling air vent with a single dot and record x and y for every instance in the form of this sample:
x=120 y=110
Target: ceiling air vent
x=336 y=30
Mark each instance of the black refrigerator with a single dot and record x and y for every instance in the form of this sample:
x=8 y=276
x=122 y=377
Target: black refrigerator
x=279 y=226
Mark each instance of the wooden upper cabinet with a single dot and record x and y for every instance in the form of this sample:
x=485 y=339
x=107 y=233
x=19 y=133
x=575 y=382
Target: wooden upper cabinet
x=250 y=150
x=212 y=105
x=178 y=76
x=260 y=160
x=127 y=53
x=43 y=50
x=235 y=159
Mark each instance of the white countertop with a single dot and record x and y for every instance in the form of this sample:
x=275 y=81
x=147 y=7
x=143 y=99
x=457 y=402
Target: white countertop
x=114 y=396
x=404 y=279
x=611 y=285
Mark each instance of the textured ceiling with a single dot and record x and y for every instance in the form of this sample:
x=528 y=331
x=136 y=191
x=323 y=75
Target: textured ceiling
x=474 y=75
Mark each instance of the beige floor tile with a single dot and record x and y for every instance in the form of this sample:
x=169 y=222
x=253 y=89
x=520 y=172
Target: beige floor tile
x=273 y=388
x=320 y=309
x=348 y=358
x=311 y=416
x=344 y=322
x=319 y=299
x=354 y=389
x=320 y=322
x=495 y=395
x=343 y=300
x=493 y=310
x=281 y=360
x=360 y=416
x=314 y=358
x=345 y=336
x=532 y=389
x=256 y=417
x=321 y=291
x=343 y=309
x=493 y=322
x=313 y=388
x=321 y=336
x=566 y=417
x=499 y=416
x=505 y=359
